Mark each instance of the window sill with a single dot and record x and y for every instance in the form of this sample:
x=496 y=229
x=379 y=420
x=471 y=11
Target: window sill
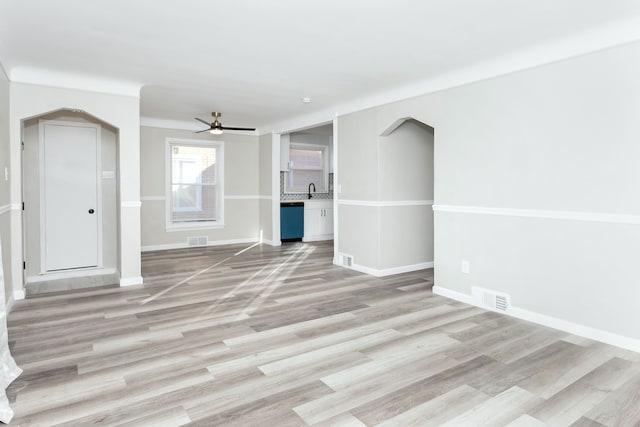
x=305 y=192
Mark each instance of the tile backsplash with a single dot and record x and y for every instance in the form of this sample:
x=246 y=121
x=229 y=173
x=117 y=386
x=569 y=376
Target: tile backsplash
x=303 y=196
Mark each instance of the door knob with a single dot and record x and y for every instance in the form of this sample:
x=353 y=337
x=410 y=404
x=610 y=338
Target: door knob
x=91 y=211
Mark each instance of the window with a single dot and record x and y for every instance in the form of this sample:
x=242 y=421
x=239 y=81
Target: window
x=194 y=184
x=307 y=164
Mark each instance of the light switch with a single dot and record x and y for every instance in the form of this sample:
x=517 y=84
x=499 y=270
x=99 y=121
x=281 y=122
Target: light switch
x=466 y=267
x=6 y=173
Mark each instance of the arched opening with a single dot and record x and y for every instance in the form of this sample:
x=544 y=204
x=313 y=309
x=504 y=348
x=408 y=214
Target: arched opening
x=406 y=185
x=70 y=193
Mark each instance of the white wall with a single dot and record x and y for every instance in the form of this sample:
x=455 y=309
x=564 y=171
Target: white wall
x=5 y=200
x=241 y=202
x=385 y=216
x=266 y=179
x=122 y=112
x=405 y=179
x=536 y=185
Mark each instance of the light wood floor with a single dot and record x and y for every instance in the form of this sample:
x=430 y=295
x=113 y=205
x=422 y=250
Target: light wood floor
x=280 y=337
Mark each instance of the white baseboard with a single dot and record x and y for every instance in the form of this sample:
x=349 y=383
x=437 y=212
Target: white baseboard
x=552 y=322
x=272 y=243
x=10 y=302
x=318 y=238
x=185 y=245
x=131 y=281
x=458 y=296
x=70 y=274
x=19 y=295
x=389 y=271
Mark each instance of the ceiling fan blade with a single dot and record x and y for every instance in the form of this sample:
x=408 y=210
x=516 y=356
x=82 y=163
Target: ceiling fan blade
x=200 y=120
x=206 y=130
x=231 y=128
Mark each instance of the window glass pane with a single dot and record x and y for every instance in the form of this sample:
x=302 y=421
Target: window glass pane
x=305 y=159
x=207 y=209
x=307 y=165
x=194 y=194
x=184 y=196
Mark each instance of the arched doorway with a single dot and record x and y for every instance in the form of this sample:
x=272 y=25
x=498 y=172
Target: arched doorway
x=70 y=224
x=406 y=185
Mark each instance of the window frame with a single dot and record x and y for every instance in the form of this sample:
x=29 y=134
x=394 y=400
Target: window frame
x=171 y=225
x=325 y=167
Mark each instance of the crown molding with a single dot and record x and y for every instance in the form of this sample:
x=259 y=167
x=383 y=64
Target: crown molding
x=154 y=122
x=44 y=77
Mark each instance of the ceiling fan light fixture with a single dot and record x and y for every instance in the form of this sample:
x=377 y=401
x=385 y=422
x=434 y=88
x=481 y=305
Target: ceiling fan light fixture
x=216 y=127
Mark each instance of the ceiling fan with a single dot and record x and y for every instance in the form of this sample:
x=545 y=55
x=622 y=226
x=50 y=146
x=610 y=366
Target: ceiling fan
x=216 y=128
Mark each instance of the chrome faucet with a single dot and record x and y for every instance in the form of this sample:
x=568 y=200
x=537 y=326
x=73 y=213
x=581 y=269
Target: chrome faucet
x=314 y=188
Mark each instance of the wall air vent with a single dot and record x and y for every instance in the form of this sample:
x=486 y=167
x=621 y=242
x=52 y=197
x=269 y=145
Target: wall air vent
x=198 y=241
x=345 y=260
x=492 y=300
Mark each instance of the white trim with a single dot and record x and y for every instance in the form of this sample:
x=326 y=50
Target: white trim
x=194 y=225
x=334 y=153
x=40 y=76
x=552 y=322
x=70 y=274
x=154 y=122
x=168 y=246
x=271 y=243
x=131 y=204
x=151 y=198
x=318 y=238
x=389 y=271
x=131 y=281
x=540 y=213
x=220 y=160
x=19 y=294
x=10 y=207
x=275 y=188
x=385 y=203
x=10 y=303
x=458 y=296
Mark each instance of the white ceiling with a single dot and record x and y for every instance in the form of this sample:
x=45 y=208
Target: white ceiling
x=254 y=60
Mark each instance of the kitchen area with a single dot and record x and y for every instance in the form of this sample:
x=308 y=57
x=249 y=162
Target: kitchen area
x=306 y=185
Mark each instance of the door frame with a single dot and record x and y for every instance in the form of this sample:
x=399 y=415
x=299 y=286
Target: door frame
x=41 y=163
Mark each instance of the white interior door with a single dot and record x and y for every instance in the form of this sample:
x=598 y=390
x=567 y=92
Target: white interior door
x=70 y=196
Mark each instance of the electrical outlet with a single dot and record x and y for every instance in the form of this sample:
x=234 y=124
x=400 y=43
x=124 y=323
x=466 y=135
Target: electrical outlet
x=466 y=267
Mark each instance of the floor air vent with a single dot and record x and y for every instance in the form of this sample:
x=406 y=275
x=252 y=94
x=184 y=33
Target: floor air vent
x=491 y=299
x=198 y=241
